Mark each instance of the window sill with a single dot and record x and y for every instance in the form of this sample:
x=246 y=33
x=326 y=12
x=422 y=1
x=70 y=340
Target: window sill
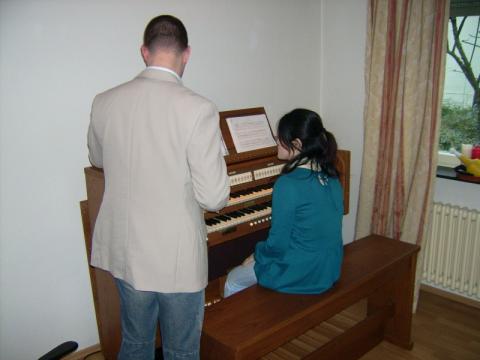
x=450 y=174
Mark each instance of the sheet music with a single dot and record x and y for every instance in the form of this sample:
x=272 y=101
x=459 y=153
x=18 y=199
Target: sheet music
x=250 y=132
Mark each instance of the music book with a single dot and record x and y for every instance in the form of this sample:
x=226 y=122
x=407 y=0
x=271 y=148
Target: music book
x=251 y=132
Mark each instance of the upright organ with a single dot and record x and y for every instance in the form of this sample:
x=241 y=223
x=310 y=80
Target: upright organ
x=232 y=232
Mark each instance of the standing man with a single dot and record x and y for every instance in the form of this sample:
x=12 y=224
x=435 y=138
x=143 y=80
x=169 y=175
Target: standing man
x=160 y=147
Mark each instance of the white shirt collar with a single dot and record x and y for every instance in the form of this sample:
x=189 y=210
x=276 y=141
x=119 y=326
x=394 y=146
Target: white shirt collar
x=308 y=165
x=161 y=68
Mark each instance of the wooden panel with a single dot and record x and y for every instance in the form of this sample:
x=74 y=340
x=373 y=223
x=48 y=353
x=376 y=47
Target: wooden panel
x=105 y=297
x=343 y=166
x=225 y=256
x=95 y=187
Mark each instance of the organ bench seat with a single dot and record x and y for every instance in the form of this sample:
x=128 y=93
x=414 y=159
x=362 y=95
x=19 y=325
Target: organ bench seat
x=256 y=321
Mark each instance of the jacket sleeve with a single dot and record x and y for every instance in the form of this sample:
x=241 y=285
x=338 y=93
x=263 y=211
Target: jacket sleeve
x=207 y=166
x=95 y=151
x=283 y=215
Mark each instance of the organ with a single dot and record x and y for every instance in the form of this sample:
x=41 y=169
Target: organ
x=232 y=233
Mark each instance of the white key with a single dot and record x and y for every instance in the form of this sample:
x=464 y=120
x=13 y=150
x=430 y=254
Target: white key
x=239 y=220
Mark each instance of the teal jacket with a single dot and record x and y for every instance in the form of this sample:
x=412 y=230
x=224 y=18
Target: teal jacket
x=304 y=249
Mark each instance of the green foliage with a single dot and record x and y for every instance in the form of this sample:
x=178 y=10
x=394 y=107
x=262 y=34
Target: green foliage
x=459 y=126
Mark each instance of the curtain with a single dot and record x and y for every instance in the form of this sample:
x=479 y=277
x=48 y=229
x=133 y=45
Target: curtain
x=405 y=62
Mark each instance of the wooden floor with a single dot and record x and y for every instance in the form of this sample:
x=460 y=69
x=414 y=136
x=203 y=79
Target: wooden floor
x=442 y=330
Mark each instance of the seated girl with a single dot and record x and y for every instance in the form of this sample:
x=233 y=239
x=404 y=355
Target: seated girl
x=304 y=249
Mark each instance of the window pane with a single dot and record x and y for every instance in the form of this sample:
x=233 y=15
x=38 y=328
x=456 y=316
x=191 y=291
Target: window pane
x=461 y=100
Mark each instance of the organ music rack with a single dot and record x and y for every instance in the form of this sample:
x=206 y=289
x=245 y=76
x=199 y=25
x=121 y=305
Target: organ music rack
x=232 y=232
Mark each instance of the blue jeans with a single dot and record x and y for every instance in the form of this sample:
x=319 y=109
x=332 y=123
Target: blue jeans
x=180 y=316
x=240 y=278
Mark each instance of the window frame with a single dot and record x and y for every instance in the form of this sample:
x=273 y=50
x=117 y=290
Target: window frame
x=458 y=8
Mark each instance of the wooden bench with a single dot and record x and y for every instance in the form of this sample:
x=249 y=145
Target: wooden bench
x=256 y=321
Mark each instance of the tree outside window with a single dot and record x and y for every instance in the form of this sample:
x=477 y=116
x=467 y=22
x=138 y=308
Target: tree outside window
x=461 y=100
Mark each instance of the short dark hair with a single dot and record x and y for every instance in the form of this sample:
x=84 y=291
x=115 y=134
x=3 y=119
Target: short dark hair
x=318 y=144
x=165 y=31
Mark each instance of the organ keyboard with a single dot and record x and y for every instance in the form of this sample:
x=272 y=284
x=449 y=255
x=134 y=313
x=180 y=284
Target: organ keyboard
x=250 y=194
x=252 y=174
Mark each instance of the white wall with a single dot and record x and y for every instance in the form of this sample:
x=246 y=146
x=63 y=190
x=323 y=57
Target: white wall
x=458 y=193
x=54 y=57
x=344 y=27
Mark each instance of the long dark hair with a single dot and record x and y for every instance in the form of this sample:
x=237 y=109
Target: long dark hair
x=318 y=145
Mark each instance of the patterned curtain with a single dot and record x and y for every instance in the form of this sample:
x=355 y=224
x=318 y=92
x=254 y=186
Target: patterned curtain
x=405 y=62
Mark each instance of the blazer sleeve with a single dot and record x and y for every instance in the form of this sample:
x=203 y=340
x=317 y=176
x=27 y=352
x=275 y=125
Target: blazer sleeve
x=207 y=166
x=95 y=151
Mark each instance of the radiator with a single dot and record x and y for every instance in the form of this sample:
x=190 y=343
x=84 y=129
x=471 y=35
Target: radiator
x=451 y=259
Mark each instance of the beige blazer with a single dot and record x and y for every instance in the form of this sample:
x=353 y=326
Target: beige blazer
x=159 y=144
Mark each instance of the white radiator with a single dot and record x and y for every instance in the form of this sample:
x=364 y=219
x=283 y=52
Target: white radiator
x=451 y=259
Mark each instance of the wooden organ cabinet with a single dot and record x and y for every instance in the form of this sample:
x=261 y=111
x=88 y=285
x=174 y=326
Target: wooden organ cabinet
x=232 y=233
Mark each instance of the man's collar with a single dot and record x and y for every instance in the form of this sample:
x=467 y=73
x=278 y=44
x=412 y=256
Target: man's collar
x=161 y=68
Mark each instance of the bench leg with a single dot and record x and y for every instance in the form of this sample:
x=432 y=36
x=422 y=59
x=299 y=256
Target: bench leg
x=356 y=341
x=399 y=292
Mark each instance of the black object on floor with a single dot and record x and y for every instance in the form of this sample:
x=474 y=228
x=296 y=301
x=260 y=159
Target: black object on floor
x=60 y=351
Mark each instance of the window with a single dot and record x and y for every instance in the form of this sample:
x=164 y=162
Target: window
x=461 y=99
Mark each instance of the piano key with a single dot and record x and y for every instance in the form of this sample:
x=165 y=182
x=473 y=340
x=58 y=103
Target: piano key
x=241 y=216
x=250 y=194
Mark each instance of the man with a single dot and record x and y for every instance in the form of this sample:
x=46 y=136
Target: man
x=160 y=147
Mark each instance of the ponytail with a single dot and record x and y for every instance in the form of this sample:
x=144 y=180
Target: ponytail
x=328 y=162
